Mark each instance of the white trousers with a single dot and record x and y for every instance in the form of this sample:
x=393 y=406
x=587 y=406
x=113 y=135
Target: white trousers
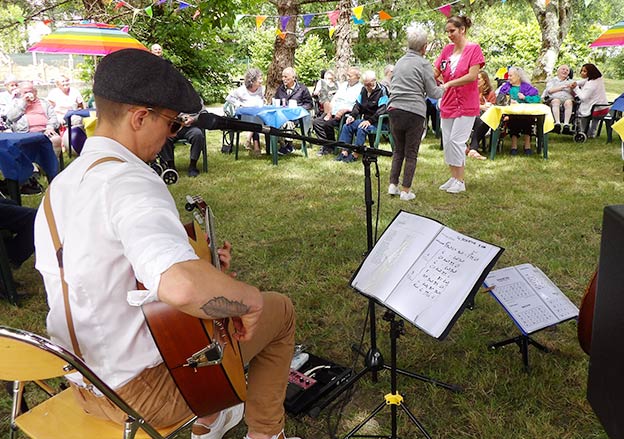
x=455 y=135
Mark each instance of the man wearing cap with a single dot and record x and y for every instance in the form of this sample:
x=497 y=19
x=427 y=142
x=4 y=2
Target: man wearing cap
x=118 y=224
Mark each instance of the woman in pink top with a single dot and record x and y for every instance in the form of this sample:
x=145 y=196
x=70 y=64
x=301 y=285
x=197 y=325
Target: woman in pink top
x=457 y=68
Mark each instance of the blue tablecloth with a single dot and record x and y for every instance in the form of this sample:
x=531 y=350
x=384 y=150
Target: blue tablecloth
x=85 y=112
x=272 y=116
x=18 y=151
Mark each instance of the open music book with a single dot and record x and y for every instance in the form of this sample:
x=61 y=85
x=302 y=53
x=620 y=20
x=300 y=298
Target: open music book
x=530 y=298
x=425 y=271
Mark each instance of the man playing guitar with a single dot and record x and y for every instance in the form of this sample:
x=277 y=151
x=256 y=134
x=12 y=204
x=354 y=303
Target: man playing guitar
x=117 y=224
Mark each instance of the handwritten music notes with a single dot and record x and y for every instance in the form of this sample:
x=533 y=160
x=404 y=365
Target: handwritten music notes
x=531 y=299
x=424 y=271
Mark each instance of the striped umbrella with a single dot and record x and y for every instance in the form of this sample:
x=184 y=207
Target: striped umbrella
x=614 y=36
x=86 y=39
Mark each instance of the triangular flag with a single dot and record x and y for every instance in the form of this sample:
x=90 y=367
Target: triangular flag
x=284 y=19
x=307 y=19
x=446 y=10
x=383 y=15
x=119 y=5
x=280 y=34
x=47 y=21
x=183 y=5
x=149 y=11
x=472 y=1
x=333 y=16
x=546 y=2
x=21 y=20
x=587 y=2
x=331 y=31
x=134 y=14
x=357 y=11
x=259 y=20
x=238 y=18
x=160 y=2
x=196 y=14
x=356 y=20
x=125 y=29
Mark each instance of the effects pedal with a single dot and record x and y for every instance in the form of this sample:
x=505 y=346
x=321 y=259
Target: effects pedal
x=300 y=380
x=308 y=385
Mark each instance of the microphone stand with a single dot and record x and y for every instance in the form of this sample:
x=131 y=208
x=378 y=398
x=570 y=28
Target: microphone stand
x=373 y=359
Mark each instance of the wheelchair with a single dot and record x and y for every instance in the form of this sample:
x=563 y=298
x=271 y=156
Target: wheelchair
x=169 y=175
x=580 y=125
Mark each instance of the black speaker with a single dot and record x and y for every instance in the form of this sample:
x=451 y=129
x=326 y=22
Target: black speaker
x=605 y=387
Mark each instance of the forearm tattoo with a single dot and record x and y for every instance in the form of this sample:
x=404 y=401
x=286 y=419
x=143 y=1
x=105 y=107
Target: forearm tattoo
x=221 y=307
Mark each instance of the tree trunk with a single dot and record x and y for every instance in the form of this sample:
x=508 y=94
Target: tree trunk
x=554 y=21
x=344 y=49
x=283 y=49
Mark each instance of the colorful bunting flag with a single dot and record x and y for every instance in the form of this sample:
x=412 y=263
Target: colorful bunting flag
x=47 y=21
x=21 y=20
x=333 y=17
x=284 y=19
x=196 y=14
x=356 y=20
x=587 y=2
x=331 y=31
x=160 y=2
x=182 y=5
x=357 y=11
x=280 y=34
x=446 y=10
x=383 y=15
x=259 y=20
x=119 y=5
x=125 y=29
x=149 y=11
x=307 y=19
x=546 y=2
x=238 y=18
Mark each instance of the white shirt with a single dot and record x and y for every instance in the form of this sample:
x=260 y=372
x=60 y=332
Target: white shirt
x=117 y=223
x=64 y=102
x=345 y=97
x=242 y=97
x=590 y=92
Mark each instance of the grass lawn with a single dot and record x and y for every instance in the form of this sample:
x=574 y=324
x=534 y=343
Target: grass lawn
x=299 y=228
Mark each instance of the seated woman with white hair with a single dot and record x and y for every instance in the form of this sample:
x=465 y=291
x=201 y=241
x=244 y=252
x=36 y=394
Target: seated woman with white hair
x=250 y=94
x=558 y=92
x=518 y=90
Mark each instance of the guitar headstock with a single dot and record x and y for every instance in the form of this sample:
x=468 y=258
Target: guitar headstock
x=203 y=216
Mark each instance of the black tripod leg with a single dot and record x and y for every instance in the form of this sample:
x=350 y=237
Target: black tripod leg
x=368 y=418
x=414 y=420
x=426 y=379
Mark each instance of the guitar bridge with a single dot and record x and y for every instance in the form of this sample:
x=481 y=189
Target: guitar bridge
x=212 y=354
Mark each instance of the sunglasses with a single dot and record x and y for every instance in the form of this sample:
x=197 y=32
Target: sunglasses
x=175 y=123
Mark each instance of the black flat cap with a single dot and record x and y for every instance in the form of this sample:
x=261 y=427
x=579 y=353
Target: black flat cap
x=133 y=76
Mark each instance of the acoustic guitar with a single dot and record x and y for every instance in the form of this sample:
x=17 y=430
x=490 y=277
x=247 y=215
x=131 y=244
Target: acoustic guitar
x=202 y=356
x=586 y=315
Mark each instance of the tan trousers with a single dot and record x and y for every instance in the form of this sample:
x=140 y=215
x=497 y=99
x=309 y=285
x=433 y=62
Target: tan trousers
x=154 y=395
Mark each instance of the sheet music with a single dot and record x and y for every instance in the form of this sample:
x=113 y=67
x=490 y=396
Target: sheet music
x=530 y=297
x=423 y=270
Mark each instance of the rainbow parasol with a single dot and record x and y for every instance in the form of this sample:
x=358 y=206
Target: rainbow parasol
x=614 y=36
x=86 y=39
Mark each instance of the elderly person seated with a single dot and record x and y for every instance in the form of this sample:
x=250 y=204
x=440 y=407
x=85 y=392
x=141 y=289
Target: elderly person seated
x=324 y=91
x=30 y=114
x=370 y=104
x=558 y=92
x=590 y=90
x=10 y=92
x=250 y=94
x=64 y=98
x=517 y=90
x=290 y=89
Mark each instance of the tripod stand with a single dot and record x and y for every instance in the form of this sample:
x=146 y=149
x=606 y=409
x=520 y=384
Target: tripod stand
x=393 y=399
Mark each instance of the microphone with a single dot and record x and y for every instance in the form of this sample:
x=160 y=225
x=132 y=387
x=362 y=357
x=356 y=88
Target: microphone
x=210 y=121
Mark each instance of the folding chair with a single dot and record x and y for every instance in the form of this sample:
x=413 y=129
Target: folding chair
x=27 y=357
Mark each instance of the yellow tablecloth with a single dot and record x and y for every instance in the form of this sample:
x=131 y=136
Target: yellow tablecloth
x=493 y=115
x=618 y=127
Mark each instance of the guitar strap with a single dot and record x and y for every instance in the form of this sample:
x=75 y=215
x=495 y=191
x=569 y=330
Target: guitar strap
x=58 y=247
